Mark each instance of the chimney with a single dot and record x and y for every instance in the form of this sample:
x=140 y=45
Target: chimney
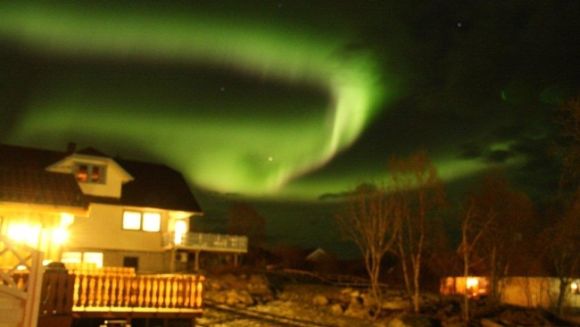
x=71 y=147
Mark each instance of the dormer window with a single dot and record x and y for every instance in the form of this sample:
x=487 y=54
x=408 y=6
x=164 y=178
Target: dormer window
x=89 y=173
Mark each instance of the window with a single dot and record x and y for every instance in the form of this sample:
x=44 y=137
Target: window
x=94 y=258
x=87 y=173
x=132 y=220
x=151 y=221
x=145 y=221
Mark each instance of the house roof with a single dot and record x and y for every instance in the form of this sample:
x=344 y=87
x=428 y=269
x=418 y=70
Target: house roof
x=26 y=185
x=154 y=185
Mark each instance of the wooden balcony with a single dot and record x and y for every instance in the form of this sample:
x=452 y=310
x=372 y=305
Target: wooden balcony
x=208 y=242
x=119 y=293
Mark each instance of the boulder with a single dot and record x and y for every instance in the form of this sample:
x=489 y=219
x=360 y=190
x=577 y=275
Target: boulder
x=490 y=323
x=238 y=298
x=396 y=303
x=336 y=309
x=410 y=320
x=320 y=300
x=369 y=301
x=215 y=296
x=356 y=309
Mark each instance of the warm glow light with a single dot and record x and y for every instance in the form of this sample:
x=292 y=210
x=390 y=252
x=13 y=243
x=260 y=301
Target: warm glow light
x=574 y=286
x=132 y=220
x=66 y=219
x=71 y=257
x=59 y=235
x=95 y=258
x=180 y=230
x=28 y=234
x=151 y=221
x=21 y=267
x=472 y=282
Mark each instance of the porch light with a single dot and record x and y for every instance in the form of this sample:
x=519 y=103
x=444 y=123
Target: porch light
x=66 y=219
x=59 y=235
x=24 y=233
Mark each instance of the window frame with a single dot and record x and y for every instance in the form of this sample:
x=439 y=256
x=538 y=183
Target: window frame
x=142 y=225
x=102 y=179
x=124 y=224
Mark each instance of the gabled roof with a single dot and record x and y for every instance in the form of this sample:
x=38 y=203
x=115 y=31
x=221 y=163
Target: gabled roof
x=44 y=188
x=154 y=185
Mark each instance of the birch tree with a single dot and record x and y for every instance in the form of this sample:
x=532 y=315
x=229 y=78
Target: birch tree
x=371 y=223
x=418 y=195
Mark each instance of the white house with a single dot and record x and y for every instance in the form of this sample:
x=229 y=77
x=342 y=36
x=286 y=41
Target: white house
x=86 y=207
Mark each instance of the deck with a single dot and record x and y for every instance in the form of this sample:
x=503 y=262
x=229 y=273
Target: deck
x=120 y=292
x=207 y=242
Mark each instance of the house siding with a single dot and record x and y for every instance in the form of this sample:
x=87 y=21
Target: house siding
x=103 y=230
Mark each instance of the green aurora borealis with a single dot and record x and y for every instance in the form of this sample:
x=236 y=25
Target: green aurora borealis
x=240 y=154
x=251 y=104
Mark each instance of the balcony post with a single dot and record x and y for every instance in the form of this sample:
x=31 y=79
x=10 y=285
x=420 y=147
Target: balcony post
x=172 y=260
x=196 y=262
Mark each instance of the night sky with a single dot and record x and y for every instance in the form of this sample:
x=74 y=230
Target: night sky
x=293 y=100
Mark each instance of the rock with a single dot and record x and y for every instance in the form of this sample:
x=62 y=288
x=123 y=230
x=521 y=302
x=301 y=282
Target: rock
x=215 y=296
x=410 y=320
x=355 y=293
x=396 y=304
x=356 y=309
x=369 y=301
x=238 y=298
x=347 y=290
x=320 y=300
x=490 y=323
x=336 y=309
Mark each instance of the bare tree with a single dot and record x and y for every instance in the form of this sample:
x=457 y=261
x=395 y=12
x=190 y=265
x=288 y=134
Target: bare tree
x=563 y=239
x=513 y=212
x=474 y=225
x=418 y=194
x=370 y=222
x=494 y=222
x=562 y=246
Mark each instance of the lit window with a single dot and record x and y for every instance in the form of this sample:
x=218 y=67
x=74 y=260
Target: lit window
x=132 y=220
x=82 y=173
x=71 y=257
x=87 y=173
x=95 y=258
x=151 y=221
x=145 y=221
x=96 y=173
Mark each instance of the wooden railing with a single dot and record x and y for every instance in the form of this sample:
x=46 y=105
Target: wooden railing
x=209 y=242
x=137 y=293
x=20 y=279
